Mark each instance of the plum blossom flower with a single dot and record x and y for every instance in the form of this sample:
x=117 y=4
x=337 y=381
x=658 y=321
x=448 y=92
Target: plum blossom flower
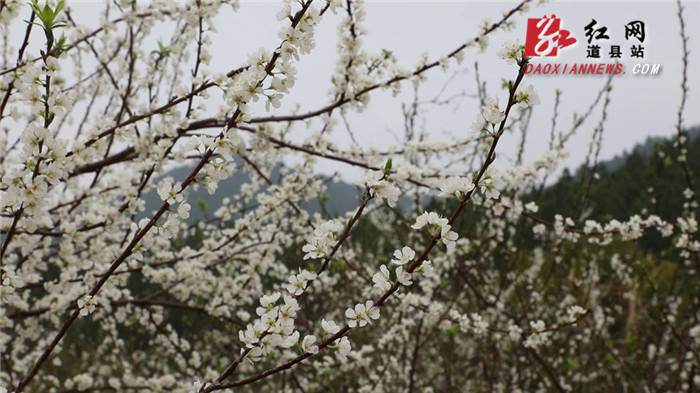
x=322 y=240
x=381 y=279
x=344 y=349
x=573 y=312
x=296 y=285
x=357 y=316
x=429 y=219
x=448 y=237
x=403 y=277
x=362 y=314
x=538 y=229
x=532 y=207
x=380 y=185
x=198 y=385
x=267 y=303
x=314 y=249
x=372 y=311
x=308 y=345
x=437 y=225
x=479 y=324
x=514 y=332
x=694 y=331
x=539 y=335
x=479 y=124
x=86 y=305
x=403 y=256
x=538 y=325
x=169 y=192
x=458 y=187
x=511 y=52
x=287 y=340
x=329 y=327
x=183 y=210
x=284 y=12
x=297 y=282
x=489 y=187
x=251 y=335
x=491 y=112
x=426 y=267
x=527 y=96
x=288 y=311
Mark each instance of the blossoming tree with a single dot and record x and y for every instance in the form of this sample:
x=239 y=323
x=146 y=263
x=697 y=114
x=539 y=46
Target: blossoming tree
x=463 y=287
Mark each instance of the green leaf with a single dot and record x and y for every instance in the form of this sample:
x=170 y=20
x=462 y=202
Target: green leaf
x=609 y=358
x=337 y=265
x=451 y=331
x=59 y=7
x=46 y=15
x=59 y=47
x=163 y=50
x=667 y=161
x=201 y=204
x=387 y=167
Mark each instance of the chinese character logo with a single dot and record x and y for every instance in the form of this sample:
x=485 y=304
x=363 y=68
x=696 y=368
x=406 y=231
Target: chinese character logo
x=635 y=29
x=593 y=33
x=545 y=37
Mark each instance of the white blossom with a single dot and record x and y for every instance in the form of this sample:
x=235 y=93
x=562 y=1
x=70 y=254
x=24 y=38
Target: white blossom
x=169 y=192
x=491 y=112
x=403 y=277
x=511 y=52
x=87 y=305
x=329 y=327
x=381 y=186
x=382 y=279
x=458 y=187
x=344 y=349
x=362 y=314
x=527 y=96
x=308 y=345
x=403 y=256
x=437 y=225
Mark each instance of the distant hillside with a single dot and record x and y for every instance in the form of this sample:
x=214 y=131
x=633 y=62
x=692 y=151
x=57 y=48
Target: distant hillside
x=646 y=148
x=620 y=190
x=623 y=183
x=341 y=196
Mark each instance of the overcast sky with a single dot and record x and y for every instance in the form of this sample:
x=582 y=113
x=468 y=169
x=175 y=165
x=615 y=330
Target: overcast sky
x=641 y=106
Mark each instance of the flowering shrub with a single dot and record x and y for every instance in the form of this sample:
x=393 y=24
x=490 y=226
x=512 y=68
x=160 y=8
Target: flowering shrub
x=442 y=278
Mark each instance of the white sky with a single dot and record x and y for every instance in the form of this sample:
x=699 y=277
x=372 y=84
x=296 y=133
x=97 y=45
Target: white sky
x=641 y=106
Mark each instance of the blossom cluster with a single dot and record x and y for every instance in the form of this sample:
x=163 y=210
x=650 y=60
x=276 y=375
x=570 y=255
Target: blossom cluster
x=437 y=227
x=450 y=250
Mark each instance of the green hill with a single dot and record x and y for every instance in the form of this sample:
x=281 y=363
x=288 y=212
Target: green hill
x=620 y=189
